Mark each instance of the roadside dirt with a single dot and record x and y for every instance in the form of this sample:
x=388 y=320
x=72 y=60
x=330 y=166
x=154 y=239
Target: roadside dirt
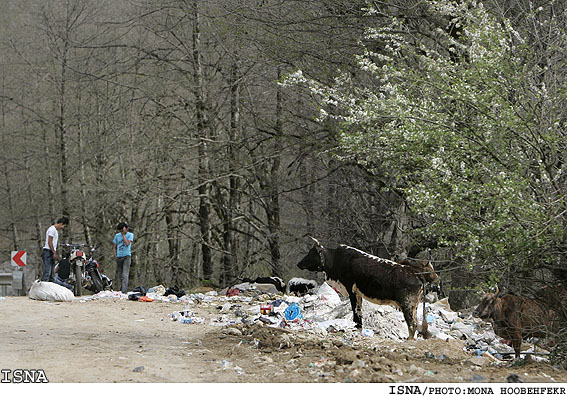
x=111 y=340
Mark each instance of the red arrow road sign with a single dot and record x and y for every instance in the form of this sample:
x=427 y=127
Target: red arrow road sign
x=19 y=258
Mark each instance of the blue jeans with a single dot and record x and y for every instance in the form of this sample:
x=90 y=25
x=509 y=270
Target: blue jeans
x=61 y=282
x=48 y=266
x=123 y=272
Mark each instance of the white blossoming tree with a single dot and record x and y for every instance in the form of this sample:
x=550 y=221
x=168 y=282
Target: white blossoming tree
x=469 y=124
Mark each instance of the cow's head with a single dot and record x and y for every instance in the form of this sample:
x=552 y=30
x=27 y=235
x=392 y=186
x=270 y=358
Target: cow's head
x=314 y=261
x=486 y=307
x=429 y=273
x=424 y=268
x=278 y=280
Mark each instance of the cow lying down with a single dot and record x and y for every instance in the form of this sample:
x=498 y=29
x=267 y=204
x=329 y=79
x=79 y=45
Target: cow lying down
x=373 y=278
x=515 y=317
x=274 y=280
x=300 y=286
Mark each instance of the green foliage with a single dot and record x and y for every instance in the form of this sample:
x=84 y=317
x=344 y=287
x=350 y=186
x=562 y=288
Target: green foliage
x=463 y=123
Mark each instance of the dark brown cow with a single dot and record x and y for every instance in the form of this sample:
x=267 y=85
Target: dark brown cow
x=373 y=278
x=515 y=317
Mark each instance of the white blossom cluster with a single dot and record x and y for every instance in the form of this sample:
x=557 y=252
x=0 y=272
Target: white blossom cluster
x=451 y=134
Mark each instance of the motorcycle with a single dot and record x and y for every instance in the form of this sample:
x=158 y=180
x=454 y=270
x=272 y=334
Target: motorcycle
x=85 y=271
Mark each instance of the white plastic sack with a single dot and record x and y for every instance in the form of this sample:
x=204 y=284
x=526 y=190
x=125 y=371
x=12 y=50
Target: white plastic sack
x=49 y=291
x=328 y=294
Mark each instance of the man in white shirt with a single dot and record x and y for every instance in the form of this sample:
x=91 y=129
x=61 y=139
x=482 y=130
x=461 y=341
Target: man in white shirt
x=49 y=255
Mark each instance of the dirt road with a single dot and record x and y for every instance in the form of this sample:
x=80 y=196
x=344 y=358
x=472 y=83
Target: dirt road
x=111 y=340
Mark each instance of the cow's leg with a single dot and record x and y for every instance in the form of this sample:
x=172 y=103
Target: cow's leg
x=516 y=338
x=356 y=304
x=410 y=315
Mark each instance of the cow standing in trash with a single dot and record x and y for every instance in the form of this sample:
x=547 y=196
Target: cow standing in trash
x=514 y=317
x=373 y=278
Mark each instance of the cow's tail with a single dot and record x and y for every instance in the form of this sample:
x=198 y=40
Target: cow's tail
x=424 y=326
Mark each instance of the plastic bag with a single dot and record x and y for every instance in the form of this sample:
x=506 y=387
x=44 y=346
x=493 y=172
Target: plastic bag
x=293 y=312
x=328 y=294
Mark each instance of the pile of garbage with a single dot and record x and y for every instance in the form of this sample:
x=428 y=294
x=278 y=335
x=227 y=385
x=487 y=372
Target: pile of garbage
x=325 y=311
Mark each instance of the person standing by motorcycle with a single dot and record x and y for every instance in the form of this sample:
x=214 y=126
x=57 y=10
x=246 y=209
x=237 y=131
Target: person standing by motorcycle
x=49 y=255
x=123 y=253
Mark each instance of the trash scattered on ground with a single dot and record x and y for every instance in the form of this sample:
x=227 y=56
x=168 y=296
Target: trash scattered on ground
x=323 y=312
x=186 y=317
x=138 y=369
x=2 y=298
x=106 y=294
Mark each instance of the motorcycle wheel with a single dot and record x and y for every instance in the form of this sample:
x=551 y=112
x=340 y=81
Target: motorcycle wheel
x=78 y=289
x=97 y=282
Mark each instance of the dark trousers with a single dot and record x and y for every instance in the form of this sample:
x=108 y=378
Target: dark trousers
x=62 y=282
x=123 y=272
x=48 y=266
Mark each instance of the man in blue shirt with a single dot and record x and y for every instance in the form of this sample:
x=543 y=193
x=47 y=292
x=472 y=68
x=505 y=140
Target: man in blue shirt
x=123 y=253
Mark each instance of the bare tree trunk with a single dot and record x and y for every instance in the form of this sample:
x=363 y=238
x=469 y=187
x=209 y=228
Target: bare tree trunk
x=82 y=181
x=274 y=198
x=204 y=187
x=308 y=193
x=230 y=256
x=178 y=265
x=38 y=226
x=5 y=170
x=32 y=205
x=171 y=237
x=332 y=232
x=63 y=171
x=100 y=160
x=49 y=176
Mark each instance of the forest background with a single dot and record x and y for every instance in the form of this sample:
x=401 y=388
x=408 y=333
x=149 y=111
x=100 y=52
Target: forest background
x=224 y=132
